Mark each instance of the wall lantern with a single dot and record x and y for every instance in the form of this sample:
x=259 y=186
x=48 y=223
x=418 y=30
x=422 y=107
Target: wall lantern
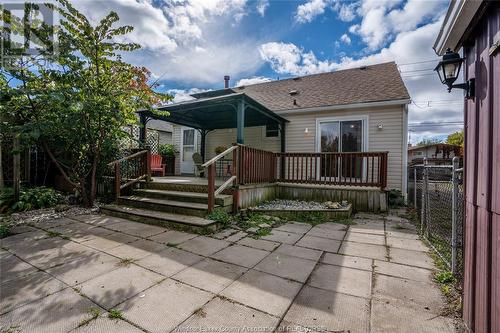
x=448 y=70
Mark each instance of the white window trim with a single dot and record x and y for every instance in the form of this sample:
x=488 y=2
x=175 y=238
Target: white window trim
x=365 y=121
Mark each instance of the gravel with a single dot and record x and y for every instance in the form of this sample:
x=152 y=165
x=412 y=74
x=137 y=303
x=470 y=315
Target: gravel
x=40 y=215
x=291 y=204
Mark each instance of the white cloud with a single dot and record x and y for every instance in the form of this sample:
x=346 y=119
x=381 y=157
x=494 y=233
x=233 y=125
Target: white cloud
x=345 y=39
x=346 y=11
x=181 y=95
x=309 y=10
x=190 y=41
x=290 y=59
x=252 y=80
x=262 y=7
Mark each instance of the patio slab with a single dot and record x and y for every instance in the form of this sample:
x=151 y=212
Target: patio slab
x=326 y=233
x=282 y=237
x=408 y=244
x=224 y=233
x=109 y=241
x=162 y=308
x=329 y=311
x=11 y=267
x=16 y=293
x=419 y=295
x=295 y=227
x=137 y=229
x=98 y=220
x=137 y=250
x=210 y=275
x=394 y=317
x=258 y=243
x=241 y=255
x=172 y=237
x=16 y=241
x=114 y=287
x=229 y=317
x=169 y=261
x=365 y=238
x=204 y=246
x=318 y=243
x=84 y=268
x=236 y=237
x=411 y=258
x=268 y=293
x=368 y=226
x=364 y=250
x=59 y=312
x=299 y=252
x=332 y=226
x=286 y=266
x=342 y=280
x=106 y=325
x=348 y=261
x=403 y=271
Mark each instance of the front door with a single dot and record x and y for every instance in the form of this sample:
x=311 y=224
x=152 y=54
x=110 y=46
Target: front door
x=337 y=136
x=188 y=147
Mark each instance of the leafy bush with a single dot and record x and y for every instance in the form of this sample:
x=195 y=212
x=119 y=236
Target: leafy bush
x=445 y=277
x=221 y=216
x=29 y=198
x=166 y=150
x=396 y=198
x=4 y=231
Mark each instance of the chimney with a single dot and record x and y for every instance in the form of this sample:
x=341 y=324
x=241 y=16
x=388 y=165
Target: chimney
x=226 y=81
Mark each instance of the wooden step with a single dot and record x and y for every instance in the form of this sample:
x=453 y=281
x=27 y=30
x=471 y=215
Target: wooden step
x=168 y=220
x=221 y=200
x=169 y=206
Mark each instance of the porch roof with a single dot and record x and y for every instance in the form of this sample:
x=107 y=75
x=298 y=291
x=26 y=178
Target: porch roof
x=217 y=112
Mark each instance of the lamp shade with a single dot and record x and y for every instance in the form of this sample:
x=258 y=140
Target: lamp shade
x=448 y=69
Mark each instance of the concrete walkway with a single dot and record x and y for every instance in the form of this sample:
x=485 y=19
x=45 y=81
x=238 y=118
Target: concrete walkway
x=373 y=276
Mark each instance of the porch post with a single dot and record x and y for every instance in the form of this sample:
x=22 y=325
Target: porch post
x=240 y=122
x=203 y=134
x=283 y=150
x=142 y=131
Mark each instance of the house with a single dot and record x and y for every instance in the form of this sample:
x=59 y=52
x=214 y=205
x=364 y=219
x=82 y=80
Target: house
x=435 y=153
x=474 y=28
x=354 y=110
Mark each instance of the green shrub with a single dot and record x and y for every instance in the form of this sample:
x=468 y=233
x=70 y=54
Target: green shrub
x=221 y=216
x=396 y=199
x=4 y=230
x=29 y=198
x=166 y=150
x=445 y=277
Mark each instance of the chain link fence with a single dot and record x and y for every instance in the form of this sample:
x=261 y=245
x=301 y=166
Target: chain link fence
x=436 y=193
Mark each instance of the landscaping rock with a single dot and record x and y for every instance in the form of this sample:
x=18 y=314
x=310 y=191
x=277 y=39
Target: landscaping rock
x=264 y=225
x=252 y=230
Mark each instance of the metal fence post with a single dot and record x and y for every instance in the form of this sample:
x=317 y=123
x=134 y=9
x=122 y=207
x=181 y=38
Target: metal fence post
x=415 y=187
x=454 y=216
x=423 y=215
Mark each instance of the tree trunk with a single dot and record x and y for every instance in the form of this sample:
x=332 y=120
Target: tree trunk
x=93 y=182
x=16 y=166
x=2 y=184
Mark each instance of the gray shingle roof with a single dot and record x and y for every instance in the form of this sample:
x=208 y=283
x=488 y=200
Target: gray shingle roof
x=381 y=82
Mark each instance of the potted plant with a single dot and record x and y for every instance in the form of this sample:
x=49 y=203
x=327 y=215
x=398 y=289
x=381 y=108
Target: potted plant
x=220 y=149
x=167 y=151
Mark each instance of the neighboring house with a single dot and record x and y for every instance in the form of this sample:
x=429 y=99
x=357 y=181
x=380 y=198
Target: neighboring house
x=164 y=130
x=474 y=27
x=354 y=110
x=436 y=153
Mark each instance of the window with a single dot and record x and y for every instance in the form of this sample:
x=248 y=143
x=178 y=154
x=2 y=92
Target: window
x=272 y=130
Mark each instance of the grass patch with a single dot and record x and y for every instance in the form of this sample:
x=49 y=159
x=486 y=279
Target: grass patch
x=53 y=234
x=262 y=232
x=4 y=232
x=115 y=314
x=125 y=262
x=219 y=215
x=94 y=314
x=200 y=312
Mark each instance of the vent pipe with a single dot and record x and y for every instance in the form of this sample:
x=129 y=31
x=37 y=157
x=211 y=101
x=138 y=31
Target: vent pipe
x=226 y=81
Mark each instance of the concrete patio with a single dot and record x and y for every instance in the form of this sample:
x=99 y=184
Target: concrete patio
x=373 y=276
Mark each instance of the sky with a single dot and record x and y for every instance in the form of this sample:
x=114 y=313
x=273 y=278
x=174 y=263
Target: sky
x=189 y=45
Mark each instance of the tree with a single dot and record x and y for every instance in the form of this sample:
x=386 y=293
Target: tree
x=456 y=138
x=76 y=103
x=425 y=142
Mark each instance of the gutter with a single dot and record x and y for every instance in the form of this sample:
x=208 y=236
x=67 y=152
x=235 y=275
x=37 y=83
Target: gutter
x=345 y=106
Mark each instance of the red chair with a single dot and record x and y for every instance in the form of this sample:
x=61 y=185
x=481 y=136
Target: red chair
x=157 y=164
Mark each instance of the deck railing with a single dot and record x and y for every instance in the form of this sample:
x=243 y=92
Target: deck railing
x=131 y=169
x=256 y=165
x=350 y=169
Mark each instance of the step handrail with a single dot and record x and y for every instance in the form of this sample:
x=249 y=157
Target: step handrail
x=211 y=191
x=218 y=157
x=144 y=171
x=128 y=157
